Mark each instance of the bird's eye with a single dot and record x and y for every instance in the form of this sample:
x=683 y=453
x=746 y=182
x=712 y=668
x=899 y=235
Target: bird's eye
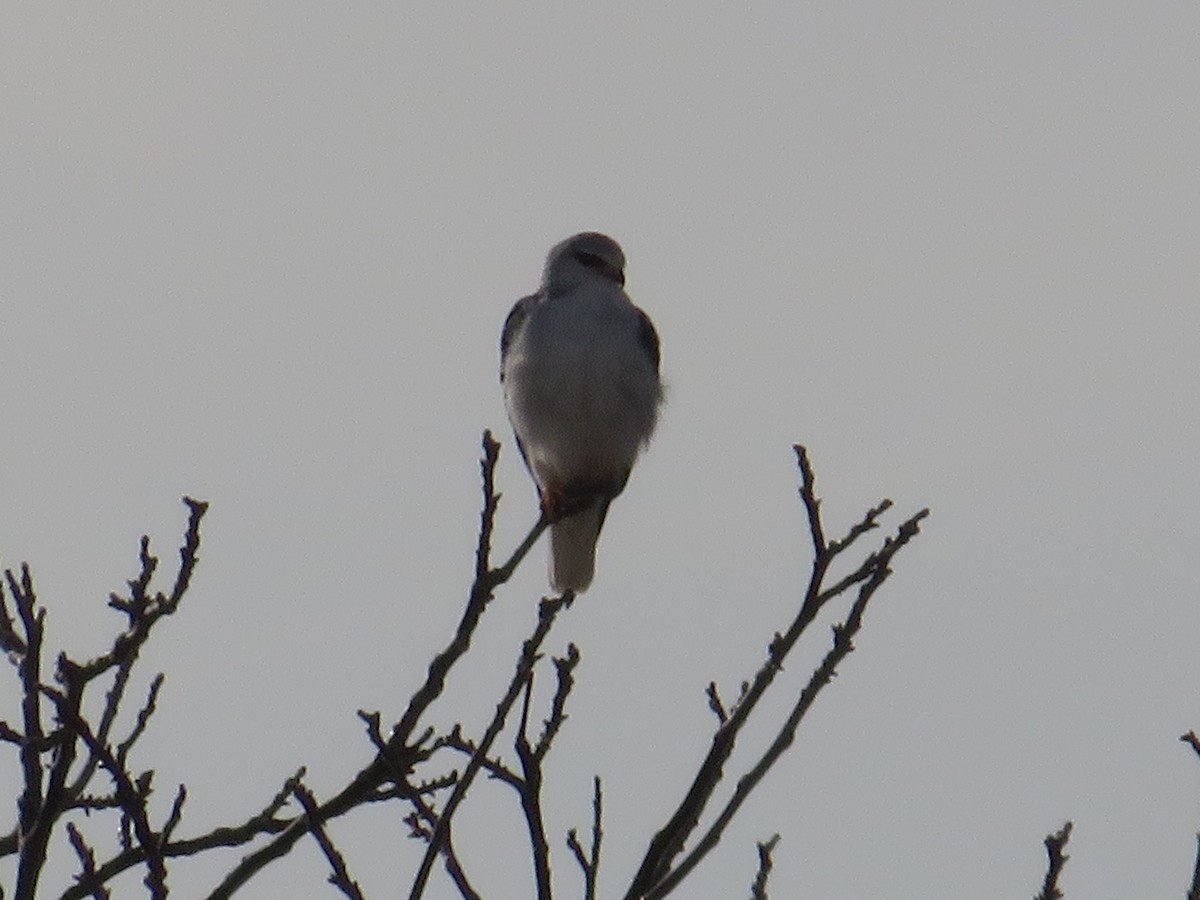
x=591 y=260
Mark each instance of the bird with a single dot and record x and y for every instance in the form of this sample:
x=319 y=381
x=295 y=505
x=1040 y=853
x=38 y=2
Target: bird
x=579 y=367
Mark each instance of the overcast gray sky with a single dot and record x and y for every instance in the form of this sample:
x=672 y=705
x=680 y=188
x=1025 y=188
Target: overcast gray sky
x=262 y=256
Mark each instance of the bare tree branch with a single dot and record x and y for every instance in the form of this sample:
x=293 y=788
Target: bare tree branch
x=145 y=611
x=33 y=825
x=47 y=794
x=530 y=792
x=548 y=610
x=421 y=821
x=715 y=704
x=143 y=718
x=340 y=878
x=87 y=864
x=60 y=759
x=1192 y=741
x=1055 y=844
x=1194 y=891
x=842 y=646
x=758 y=890
x=528 y=783
x=263 y=822
x=131 y=795
x=564 y=668
x=654 y=877
x=401 y=752
x=589 y=863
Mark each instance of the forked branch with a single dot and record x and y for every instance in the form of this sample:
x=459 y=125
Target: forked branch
x=657 y=875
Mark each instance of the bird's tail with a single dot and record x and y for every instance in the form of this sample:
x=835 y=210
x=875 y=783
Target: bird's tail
x=573 y=548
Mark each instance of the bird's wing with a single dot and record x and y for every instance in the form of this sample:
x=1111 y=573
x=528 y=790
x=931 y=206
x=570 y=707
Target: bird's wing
x=648 y=338
x=512 y=324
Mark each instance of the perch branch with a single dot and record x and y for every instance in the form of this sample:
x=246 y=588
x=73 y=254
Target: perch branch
x=400 y=752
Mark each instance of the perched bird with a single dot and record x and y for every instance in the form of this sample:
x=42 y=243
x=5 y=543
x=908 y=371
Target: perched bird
x=579 y=366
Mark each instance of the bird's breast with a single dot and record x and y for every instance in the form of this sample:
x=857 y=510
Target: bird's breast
x=581 y=392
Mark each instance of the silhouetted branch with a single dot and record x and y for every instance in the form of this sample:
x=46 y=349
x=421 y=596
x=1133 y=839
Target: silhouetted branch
x=33 y=825
x=400 y=751
x=530 y=792
x=340 y=877
x=1194 y=891
x=715 y=704
x=143 y=717
x=1191 y=740
x=262 y=823
x=1055 y=844
x=60 y=761
x=758 y=890
x=130 y=794
x=842 y=646
x=528 y=782
x=421 y=822
x=87 y=864
x=589 y=863
x=48 y=757
x=548 y=610
x=655 y=878
x=142 y=610
x=564 y=668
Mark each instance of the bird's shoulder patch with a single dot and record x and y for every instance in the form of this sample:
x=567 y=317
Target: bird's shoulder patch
x=512 y=324
x=648 y=339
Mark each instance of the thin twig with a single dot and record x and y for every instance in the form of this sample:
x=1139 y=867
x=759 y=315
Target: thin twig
x=715 y=704
x=143 y=718
x=87 y=865
x=548 y=610
x=133 y=799
x=10 y=642
x=144 y=611
x=454 y=868
x=843 y=645
x=564 y=668
x=589 y=863
x=808 y=496
x=30 y=805
x=670 y=840
x=264 y=822
x=1192 y=741
x=49 y=795
x=112 y=705
x=1194 y=892
x=175 y=816
x=495 y=768
x=400 y=751
x=340 y=877
x=758 y=890
x=530 y=793
x=867 y=523
x=1055 y=844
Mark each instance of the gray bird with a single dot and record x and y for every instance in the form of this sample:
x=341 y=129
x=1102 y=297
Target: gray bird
x=579 y=365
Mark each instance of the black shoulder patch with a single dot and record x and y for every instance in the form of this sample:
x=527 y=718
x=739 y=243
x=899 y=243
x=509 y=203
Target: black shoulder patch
x=512 y=324
x=648 y=338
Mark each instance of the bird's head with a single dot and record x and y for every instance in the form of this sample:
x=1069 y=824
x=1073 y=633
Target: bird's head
x=582 y=256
